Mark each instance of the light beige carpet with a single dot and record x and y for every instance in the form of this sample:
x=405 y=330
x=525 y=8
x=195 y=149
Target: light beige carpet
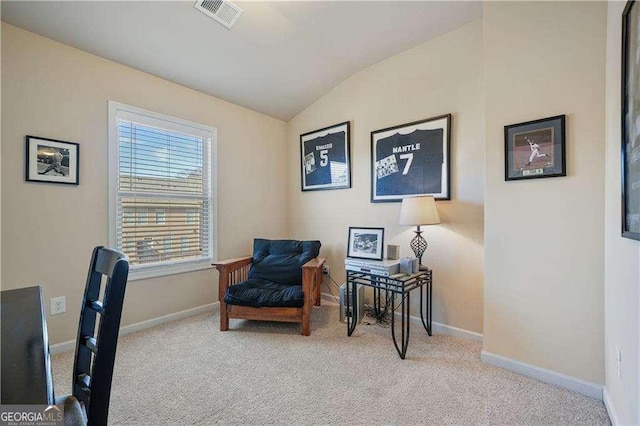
x=188 y=372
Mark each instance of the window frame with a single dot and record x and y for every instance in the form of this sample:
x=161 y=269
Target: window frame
x=119 y=110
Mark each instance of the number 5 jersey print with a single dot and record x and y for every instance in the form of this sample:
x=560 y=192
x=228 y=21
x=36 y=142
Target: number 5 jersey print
x=411 y=159
x=325 y=158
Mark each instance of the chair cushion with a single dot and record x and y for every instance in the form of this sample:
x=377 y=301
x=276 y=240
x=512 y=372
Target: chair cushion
x=261 y=293
x=280 y=261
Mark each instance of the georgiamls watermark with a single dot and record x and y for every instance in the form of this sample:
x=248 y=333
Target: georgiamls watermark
x=31 y=415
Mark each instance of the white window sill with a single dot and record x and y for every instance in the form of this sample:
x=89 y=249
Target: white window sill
x=139 y=272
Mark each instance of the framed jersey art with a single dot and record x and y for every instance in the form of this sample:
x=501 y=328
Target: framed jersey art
x=411 y=159
x=325 y=155
x=630 y=146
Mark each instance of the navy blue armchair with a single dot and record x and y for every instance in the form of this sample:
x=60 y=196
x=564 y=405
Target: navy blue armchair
x=280 y=282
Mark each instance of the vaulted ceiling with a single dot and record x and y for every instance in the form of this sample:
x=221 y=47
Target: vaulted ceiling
x=278 y=59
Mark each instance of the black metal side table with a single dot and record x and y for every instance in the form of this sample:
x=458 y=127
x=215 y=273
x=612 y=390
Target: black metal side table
x=399 y=285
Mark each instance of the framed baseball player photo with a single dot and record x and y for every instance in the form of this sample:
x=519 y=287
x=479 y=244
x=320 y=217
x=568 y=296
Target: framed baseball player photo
x=631 y=121
x=325 y=156
x=411 y=160
x=53 y=161
x=535 y=149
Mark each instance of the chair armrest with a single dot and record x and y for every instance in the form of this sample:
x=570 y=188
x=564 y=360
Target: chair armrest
x=311 y=283
x=231 y=271
x=310 y=271
x=316 y=262
x=229 y=265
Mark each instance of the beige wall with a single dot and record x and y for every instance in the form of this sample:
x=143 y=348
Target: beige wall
x=622 y=255
x=48 y=231
x=439 y=77
x=543 y=275
x=546 y=256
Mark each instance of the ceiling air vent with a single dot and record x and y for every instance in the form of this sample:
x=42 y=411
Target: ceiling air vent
x=222 y=11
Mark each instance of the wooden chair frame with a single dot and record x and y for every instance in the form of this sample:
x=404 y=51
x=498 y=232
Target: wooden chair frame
x=233 y=271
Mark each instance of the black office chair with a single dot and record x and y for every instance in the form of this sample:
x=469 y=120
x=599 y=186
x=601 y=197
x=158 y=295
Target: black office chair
x=95 y=353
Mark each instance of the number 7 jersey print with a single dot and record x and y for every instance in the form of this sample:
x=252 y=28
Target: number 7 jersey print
x=409 y=164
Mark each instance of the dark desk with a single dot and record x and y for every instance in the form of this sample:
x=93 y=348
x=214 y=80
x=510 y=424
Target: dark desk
x=26 y=368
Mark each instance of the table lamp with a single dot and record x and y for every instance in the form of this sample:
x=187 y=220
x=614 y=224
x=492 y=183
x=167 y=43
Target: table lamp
x=419 y=211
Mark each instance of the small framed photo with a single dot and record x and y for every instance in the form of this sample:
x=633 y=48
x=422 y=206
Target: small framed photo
x=365 y=243
x=535 y=149
x=325 y=155
x=411 y=160
x=50 y=160
x=631 y=121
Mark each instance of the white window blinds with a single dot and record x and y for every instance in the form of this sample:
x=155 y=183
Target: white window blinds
x=163 y=196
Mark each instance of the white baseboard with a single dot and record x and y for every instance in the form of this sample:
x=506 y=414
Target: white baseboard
x=69 y=345
x=454 y=331
x=437 y=327
x=132 y=328
x=329 y=298
x=611 y=410
x=592 y=390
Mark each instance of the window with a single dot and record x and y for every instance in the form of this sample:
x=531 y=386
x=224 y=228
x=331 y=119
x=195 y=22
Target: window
x=160 y=217
x=167 y=246
x=191 y=217
x=129 y=216
x=160 y=166
x=143 y=217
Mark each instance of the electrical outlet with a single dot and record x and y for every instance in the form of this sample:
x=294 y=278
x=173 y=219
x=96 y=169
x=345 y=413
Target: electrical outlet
x=618 y=363
x=325 y=269
x=58 y=305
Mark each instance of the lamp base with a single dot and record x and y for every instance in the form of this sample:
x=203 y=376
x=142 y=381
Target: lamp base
x=418 y=244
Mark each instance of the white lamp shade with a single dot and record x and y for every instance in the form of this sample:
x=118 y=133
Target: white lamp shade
x=419 y=211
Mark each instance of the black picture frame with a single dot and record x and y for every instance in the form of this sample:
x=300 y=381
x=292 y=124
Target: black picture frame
x=365 y=243
x=412 y=159
x=52 y=161
x=630 y=121
x=535 y=149
x=325 y=156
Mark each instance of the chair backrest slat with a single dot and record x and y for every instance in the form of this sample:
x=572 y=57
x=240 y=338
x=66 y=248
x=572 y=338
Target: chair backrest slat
x=106 y=260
